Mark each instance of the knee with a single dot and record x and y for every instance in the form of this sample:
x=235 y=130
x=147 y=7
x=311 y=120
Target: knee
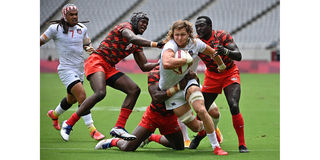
x=100 y=94
x=134 y=91
x=214 y=113
x=201 y=111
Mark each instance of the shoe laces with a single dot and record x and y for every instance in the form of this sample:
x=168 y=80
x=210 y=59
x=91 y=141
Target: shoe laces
x=68 y=129
x=122 y=129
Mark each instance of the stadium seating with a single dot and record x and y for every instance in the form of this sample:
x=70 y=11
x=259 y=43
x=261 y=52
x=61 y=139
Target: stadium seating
x=101 y=13
x=227 y=15
x=49 y=8
x=163 y=13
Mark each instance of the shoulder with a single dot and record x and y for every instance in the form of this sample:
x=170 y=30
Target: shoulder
x=82 y=25
x=171 y=44
x=124 y=25
x=53 y=29
x=222 y=33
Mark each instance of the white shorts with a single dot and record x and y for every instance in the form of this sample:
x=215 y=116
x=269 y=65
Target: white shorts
x=179 y=99
x=67 y=76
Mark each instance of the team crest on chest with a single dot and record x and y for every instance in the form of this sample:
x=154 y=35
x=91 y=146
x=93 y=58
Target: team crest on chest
x=79 y=31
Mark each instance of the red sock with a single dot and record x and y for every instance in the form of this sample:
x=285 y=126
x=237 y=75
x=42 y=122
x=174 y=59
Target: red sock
x=155 y=138
x=202 y=133
x=73 y=119
x=124 y=115
x=114 y=142
x=238 y=125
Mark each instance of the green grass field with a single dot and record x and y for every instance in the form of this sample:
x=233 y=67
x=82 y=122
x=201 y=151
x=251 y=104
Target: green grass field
x=259 y=105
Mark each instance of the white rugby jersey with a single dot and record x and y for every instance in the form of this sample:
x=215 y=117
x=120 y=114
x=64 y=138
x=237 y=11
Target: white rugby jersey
x=168 y=77
x=69 y=46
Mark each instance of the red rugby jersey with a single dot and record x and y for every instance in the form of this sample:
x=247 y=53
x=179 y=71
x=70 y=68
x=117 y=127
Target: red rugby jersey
x=222 y=38
x=115 y=47
x=154 y=77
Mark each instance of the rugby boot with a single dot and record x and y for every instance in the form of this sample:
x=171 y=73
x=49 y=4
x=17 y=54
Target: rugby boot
x=243 y=149
x=54 y=119
x=104 y=144
x=97 y=135
x=187 y=143
x=219 y=151
x=120 y=132
x=196 y=141
x=65 y=131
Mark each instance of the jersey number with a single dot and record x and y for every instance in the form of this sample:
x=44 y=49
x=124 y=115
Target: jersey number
x=72 y=33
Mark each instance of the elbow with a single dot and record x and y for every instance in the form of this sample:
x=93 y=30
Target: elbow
x=166 y=65
x=239 y=58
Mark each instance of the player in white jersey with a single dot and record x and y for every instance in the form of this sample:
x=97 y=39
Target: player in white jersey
x=180 y=36
x=70 y=38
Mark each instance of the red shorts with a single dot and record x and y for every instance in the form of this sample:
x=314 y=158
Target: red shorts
x=95 y=63
x=153 y=120
x=215 y=82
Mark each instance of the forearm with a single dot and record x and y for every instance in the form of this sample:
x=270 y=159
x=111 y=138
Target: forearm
x=234 y=55
x=148 y=66
x=159 y=96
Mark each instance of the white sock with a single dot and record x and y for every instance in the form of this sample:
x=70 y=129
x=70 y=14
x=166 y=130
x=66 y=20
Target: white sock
x=87 y=119
x=59 y=110
x=184 y=131
x=213 y=140
x=215 y=122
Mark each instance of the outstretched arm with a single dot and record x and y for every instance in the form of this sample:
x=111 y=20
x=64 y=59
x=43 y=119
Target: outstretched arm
x=134 y=39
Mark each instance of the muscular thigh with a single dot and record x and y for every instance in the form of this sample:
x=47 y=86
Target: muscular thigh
x=124 y=83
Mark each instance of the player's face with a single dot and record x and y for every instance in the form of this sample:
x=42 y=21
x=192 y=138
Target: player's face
x=72 y=17
x=142 y=25
x=202 y=28
x=181 y=37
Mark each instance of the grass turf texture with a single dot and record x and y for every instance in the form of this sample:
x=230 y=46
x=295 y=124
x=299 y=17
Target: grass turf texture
x=259 y=105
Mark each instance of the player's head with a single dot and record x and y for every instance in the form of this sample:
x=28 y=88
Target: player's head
x=181 y=31
x=70 y=14
x=203 y=26
x=139 y=22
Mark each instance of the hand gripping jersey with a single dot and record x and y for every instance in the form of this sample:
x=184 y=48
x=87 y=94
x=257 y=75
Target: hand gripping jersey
x=69 y=46
x=115 y=47
x=219 y=37
x=154 y=77
x=168 y=77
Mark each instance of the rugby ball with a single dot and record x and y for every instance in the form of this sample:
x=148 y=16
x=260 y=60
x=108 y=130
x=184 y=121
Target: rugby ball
x=182 y=54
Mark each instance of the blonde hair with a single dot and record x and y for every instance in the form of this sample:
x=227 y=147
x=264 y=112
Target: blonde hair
x=180 y=24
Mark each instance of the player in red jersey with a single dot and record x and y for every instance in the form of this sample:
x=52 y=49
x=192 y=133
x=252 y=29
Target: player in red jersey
x=100 y=70
x=156 y=116
x=215 y=81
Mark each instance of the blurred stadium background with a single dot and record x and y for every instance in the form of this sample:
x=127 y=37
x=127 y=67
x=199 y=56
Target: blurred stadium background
x=254 y=25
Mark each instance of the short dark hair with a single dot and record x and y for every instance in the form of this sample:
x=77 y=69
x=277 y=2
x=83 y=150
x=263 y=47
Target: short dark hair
x=208 y=20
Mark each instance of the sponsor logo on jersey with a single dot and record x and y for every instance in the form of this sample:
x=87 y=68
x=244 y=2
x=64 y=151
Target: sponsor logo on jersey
x=233 y=78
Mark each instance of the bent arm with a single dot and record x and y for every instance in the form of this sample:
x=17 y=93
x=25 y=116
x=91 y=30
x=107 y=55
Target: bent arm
x=212 y=53
x=43 y=39
x=169 y=62
x=234 y=52
x=142 y=62
x=157 y=95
